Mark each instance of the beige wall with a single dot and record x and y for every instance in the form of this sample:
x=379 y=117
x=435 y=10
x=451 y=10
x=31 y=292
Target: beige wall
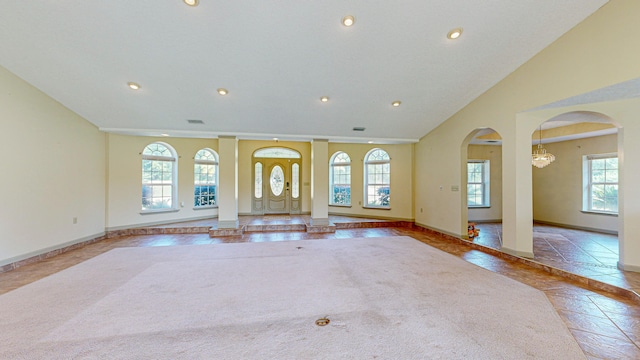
x=596 y=53
x=401 y=180
x=124 y=180
x=53 y=171
x=492 y=153
x=124 y=189
x=557 y=188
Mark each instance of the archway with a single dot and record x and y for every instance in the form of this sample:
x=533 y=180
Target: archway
x=481 y=186
x=578 y=191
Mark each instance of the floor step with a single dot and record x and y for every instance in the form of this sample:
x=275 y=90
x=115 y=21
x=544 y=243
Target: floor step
x=275 y=227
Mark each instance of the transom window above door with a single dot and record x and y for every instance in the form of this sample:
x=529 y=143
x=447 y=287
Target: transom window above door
x=277 y=152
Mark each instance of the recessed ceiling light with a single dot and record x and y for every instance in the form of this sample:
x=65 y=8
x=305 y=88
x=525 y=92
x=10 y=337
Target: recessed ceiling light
x=348 y=20
x=396 y=103
x=454 y=34
x=324 y=99
x=191 y=2
x=222 y=91
x=133 y=85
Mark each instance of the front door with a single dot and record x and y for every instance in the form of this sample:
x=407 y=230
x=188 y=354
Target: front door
x=277 y=176
x=277 y=181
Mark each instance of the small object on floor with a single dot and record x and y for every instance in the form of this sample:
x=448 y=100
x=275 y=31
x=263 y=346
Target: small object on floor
x=323 y=321
x=472 y=231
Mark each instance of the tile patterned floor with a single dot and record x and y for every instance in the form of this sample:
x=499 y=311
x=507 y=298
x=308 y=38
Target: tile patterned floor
x=605 y=326
x=590 y=254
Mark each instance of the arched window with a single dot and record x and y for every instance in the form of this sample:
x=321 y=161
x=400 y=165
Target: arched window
x=377 y=178
x=205 y=178
x=159 y=174
x=340 y=179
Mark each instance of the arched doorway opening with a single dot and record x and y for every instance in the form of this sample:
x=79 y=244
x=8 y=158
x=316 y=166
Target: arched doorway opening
x=481 y=192
x=575 y=198
x=276 y=181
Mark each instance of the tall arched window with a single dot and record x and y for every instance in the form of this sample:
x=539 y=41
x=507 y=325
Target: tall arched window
x=205 y=178
x=159 y=174
x=377 y=179
x=340 y=179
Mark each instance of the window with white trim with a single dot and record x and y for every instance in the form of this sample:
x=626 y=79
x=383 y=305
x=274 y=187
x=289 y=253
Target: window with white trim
x=600 y=177
x=205 y=178
x=159 y=174
x=340 y=179
x=478 y=177
x=377 y=178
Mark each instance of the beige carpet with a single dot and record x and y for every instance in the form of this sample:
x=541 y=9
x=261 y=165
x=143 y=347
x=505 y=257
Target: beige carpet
x=386 y=298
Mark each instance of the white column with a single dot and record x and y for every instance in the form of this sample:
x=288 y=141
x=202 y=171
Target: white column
x=629 y=194
x=228 y=182
x=517 y=195
x=319 y=182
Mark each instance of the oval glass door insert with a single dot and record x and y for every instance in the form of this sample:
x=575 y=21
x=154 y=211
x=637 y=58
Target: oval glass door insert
x=277 y=180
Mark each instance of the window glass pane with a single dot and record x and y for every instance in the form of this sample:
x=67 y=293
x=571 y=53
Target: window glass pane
x=277 y=152
x=258 y=181
x=295 y=181
x=340 y=180
x=597 y=164
x=276 y=180
x=477 y=182
x=597 y=176
x=157 y=176
x=597 y=197
x=602 y=184
x=378 y=170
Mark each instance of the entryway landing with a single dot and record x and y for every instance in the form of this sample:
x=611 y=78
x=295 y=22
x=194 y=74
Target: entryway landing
x=265 y=223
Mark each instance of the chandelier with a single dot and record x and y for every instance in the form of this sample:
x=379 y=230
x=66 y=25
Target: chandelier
x=540 y=157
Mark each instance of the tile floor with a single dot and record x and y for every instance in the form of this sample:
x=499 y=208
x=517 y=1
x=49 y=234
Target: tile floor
x=589 y=254
x=605 y=326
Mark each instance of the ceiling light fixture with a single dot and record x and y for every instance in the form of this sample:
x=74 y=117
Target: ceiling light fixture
x=540 y=157
x=191 y=2
x=454 y=34
x=324 y=99
x=396 y=103
x=133 y=86
x=222 y=91
x=348 y=20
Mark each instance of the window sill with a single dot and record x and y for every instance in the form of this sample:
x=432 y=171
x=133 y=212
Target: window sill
x=599 y=213
x=160 y=211
x=376 y=207
x=338 y=205
x=479 y=207
x=205 y=207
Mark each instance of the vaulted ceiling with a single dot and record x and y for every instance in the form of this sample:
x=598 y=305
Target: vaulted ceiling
x=276 y=59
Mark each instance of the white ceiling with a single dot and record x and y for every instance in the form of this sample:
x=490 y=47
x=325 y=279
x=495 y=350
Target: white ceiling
x=276 y=58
